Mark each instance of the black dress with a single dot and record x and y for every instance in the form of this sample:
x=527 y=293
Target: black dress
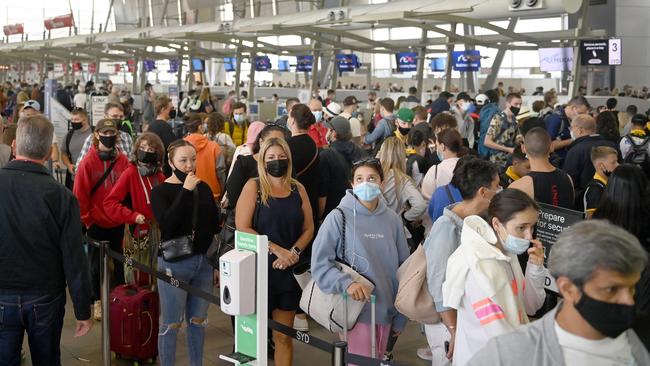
x=282 y=221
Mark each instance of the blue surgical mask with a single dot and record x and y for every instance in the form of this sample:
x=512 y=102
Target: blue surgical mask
x=318 y=115
x=367 y=191
x=239 y=118
x=440 y=156
x=516 y=245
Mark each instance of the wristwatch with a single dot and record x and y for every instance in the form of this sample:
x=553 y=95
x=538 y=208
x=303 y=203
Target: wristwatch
x=296 y=250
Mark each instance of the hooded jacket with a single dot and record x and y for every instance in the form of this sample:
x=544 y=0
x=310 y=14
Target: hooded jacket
x=488 y=289
x=210 y=163
x=335 y=165
x=375 y=251
x=91 y=169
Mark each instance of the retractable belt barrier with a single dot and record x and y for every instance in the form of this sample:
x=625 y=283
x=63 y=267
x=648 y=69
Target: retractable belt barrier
x=303 y=337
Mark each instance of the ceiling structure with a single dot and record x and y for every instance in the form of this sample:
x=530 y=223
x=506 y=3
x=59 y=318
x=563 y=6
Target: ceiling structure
x=345 y=28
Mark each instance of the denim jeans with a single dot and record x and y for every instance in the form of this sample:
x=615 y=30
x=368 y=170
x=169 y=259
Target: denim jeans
x=177 y=305
x=42 y=317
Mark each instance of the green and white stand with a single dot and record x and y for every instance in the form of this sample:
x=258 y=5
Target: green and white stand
x=251 y=330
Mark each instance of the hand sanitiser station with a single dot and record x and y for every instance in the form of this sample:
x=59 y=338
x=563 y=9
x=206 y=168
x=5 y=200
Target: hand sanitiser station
x=244 y=294
x=237 y=280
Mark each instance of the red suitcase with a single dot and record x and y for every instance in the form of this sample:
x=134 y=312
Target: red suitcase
x=134 y=323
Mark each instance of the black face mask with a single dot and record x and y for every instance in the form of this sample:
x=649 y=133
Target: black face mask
x=277 y=168
x=147 y=170
x=147 y=157
x=106 y=155
x=172 y=114
x=404 y=131
x=607 y=173
x=514 y=110
x=76 y=126
x=108 y=141
x=609 y=319
x=118 y=123
x=181 y=175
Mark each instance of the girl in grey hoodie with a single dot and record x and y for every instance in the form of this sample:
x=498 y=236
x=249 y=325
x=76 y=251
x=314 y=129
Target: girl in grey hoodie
x=375 y=246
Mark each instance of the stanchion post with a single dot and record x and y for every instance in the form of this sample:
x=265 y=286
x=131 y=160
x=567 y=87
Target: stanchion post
x=338 y=355
x=106 y=336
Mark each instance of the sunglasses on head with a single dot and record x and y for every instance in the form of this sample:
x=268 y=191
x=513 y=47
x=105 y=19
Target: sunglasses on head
x=367 y=161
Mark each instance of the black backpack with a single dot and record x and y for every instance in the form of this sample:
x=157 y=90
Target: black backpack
x=639 y=155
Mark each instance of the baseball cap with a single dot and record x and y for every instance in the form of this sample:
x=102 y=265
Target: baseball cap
x=350 y=100
x=32 y=104
x=405 y=115
x=340 y=125
x=333 y=109
x=106 y=124
x=481 y=99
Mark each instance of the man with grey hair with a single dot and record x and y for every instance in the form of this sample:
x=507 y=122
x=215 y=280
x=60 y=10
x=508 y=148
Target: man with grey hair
x=596 y=266
x=42 y=251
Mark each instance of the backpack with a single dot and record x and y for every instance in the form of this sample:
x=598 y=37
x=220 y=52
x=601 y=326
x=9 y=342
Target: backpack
x=639 y=155
x=378 y=143
x=485 y=117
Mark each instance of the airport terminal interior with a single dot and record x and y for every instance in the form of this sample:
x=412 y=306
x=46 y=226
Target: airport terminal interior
x=417 y=182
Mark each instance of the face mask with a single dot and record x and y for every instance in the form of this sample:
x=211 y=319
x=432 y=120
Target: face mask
x=106 y=155
x=514 y=110
x=172 y=114
x=367 y=191
x=404 y=131
x=277 y=168
x=181 y=175
x=108 y=141
x=440 y=156
x=147 y=170
x=609 y=319
x=516 y=245
x=318 y=115
x=76 y=125
x=147 y=157
x=239 y=118
x=607 y=173
x=465 y=106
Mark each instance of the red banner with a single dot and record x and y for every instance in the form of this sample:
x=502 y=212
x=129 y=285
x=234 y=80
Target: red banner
x=118 y=68
x=76 y=66
x=62 y=21
x=92 y=67
x=13 y=29
x=131 y=65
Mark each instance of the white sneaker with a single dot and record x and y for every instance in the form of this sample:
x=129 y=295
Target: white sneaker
x=425 y=354
x=97 y=310
x=301 y=324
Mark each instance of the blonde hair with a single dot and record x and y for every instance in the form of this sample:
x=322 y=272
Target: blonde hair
x=205 y=94
x=265 y=184
x=392 y=156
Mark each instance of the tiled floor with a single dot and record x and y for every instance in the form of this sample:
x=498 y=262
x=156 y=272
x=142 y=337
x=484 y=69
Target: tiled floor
x=87 y=350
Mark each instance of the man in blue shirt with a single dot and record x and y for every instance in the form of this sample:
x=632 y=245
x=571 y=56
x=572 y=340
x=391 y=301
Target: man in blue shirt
x=558 y=123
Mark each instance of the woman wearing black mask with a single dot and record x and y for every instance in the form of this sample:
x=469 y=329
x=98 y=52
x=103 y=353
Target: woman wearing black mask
x=279 y=195
x=175 y=202
x=97 y=175
x=136 y=184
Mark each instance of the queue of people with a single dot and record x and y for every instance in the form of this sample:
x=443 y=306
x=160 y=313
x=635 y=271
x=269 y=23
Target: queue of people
x=458 y=177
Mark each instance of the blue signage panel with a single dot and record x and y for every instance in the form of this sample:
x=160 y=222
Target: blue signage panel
x=283 y=65
x=173 y=65
x=198 y=65
x=149 y=65
x=407 y=61
x=230 y=63
x=466 y=60
x=262 y=63
x=305 y=63
x=347 y=62
x=438 y=64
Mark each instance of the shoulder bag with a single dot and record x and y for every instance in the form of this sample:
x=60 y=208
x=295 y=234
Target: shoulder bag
x=328 y=310
x=183 y=246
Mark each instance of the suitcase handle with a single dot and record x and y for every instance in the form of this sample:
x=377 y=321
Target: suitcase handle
x=150 y=327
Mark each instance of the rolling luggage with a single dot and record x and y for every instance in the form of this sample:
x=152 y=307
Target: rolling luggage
x=134 y=316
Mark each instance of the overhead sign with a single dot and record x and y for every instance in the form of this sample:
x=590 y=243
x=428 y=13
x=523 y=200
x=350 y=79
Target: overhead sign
x=407 y=61
x=347 y=62
x=438 y=64
x=600 y=52
x=283 y=65
x=305 y=63
x=130 y=65
x=230 y=63
x=464 y=61
x=262 y=63
x=149 y=65
x=556 y=59
x=62 y=21
x=92 y=67
x=14 y=29
x=76 y=67
x=173 y=65
x=198 y=65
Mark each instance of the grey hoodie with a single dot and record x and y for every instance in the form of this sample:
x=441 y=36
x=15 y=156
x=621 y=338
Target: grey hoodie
x=375 y=246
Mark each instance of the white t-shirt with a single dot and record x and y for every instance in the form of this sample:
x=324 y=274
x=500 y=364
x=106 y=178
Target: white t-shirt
x=355 y=124
x=80 y=100
x=603 y=352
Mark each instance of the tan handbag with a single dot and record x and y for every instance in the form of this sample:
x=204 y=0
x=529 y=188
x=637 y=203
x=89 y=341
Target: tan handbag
x=413 y=298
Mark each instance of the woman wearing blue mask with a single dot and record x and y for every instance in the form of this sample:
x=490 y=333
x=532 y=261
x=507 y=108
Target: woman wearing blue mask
x=484 y=280
x=375 y=246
